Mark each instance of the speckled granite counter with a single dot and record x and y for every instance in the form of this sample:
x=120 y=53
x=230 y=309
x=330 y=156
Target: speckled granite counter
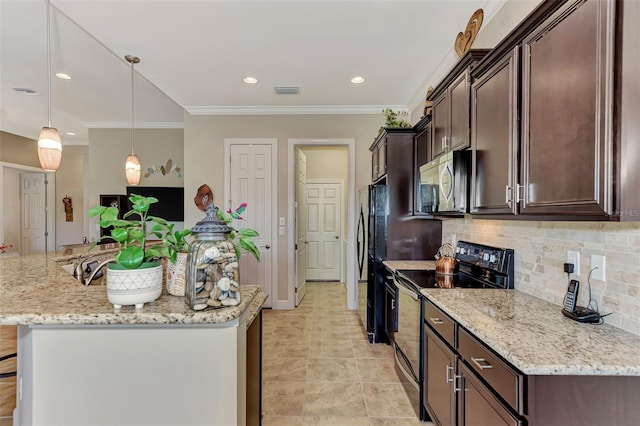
x=535 y=337
x=395 y=265
x=35 y=290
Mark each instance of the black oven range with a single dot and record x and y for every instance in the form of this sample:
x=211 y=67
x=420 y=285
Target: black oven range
x=480 y=266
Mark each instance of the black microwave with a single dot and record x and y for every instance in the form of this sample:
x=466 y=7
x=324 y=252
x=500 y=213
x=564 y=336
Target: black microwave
x=442 y=187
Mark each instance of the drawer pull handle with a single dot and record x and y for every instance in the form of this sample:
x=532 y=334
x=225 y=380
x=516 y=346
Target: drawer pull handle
x=457 y=388
x=436 y=320
x=481 y=363
x=448 y=378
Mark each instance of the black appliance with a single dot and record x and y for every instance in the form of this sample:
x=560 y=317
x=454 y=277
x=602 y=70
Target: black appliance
x=392 y=236
x=480 y=266
x=442 y=187
x=362 y=252
x=170 y=205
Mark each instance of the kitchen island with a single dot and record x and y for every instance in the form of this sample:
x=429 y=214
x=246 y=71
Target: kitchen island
x=532 y=362
x=81 y=362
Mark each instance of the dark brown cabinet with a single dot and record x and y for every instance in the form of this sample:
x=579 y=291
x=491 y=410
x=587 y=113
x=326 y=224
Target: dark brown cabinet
x=391 y=315
x=542 y=113
x=422 y=148
x=440 y=371
x=566 y=87
x=494 y=138
x=254 y=371
x=450 y=113
x=378 y=159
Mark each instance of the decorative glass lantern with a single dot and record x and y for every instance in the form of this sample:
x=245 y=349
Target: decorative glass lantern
x=212 y=265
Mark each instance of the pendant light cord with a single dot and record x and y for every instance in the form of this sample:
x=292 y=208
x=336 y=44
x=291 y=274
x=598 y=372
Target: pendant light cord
x=132 y=108
x=49 y=60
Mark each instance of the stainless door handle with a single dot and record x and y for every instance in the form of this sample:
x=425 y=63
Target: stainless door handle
x=518 y=196
x=481 y=363
x=436 y=320
x=507 y=194
x=449 y=368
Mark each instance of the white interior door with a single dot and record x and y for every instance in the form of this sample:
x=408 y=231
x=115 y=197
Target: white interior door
x=323 y=231
x=301 y=225
x=33 y=213
x=250 y=180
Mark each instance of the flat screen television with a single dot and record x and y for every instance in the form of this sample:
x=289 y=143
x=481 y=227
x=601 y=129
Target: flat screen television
x=170 y=205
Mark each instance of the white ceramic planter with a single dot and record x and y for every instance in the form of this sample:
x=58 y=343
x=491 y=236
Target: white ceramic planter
x=176 y=275
x=134 y=286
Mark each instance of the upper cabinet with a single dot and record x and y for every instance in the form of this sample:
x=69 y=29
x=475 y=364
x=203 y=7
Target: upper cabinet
x=450 y=114
x=542 y=114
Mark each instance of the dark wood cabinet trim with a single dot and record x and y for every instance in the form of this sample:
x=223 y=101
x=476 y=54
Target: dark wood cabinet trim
x=469 y=58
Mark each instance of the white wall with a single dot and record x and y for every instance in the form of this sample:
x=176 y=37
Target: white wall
x=11 y=208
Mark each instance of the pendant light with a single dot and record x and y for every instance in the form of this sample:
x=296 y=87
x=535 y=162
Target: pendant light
x=49 y=143
x=132 y=165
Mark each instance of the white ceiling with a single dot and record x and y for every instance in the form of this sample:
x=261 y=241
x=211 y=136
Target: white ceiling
x=194 y=55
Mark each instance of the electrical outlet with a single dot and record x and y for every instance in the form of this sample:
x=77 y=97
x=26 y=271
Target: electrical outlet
x=598 y=261
x=574 y=258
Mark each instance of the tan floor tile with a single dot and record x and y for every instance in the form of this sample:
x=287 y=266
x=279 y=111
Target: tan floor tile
x=325 y=348
x=397 y=421
x=387 y=400
x=358 y=333
x=378 y=370
x=293 y=332
x=282 y=421
x=332 y=370
x=277 y=348
x=283 y=398
x=333 y=333
x=334 y=399
x=335 y=421
x=284 y=369
x=364 y=349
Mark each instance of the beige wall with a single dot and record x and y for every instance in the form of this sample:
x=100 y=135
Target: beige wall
x=108 y=149
x=204 y=149
x=70 y=182
x=11 y=208
x=18 y=150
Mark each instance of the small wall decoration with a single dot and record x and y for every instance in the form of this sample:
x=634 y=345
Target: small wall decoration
x=165 y=169
x=68 y=208
x=427 y=103
x=465 y=40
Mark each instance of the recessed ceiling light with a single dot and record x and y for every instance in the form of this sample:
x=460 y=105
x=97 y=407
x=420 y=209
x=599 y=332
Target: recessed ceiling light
x=71 y=134
x=63 y=76
x=250 y=80
x=357 y=80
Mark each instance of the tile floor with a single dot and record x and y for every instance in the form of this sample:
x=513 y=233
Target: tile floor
x=319 y=368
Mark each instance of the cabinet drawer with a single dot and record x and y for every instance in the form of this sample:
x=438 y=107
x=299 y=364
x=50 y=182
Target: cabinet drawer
x=507 y=383
x=440 y=322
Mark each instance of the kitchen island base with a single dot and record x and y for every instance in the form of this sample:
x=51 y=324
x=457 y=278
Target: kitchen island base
x=132 y=374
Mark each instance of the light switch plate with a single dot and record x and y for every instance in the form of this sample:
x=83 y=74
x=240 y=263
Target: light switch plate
x=281 y=230
x=598 y=262
x=281 y=221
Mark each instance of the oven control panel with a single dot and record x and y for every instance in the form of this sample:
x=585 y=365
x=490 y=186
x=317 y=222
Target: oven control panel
x=486 y=257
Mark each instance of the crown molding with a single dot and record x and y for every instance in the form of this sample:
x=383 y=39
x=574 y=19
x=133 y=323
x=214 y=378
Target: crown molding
x=292 y=110
x=139 y=125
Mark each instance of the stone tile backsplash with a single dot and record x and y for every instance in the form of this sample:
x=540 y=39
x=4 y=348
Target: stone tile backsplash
x=541 y=249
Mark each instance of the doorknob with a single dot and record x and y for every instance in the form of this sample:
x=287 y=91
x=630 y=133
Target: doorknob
x=267 y=246
x=337 y=237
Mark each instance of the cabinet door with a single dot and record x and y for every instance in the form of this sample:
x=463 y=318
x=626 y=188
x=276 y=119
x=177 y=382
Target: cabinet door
x=439 y=365
x=422 y=149
x=566 y=128
x=494 y=138
x=382 y=158
x=478 y=406
x=440 y=125
x=458 y=137
x=375 y=164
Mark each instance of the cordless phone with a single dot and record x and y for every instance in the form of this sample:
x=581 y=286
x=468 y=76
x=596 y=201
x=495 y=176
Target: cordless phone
x=572 y=296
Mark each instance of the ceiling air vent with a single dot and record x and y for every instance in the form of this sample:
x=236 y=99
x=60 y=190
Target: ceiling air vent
x=286 y=90
x=25 y=90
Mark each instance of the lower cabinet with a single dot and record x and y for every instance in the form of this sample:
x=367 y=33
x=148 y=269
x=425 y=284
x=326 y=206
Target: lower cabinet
x=439 y=364
x=390 y=310
x=254 y=371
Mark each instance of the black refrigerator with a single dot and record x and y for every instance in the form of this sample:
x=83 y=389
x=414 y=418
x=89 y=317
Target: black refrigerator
x=394 y=232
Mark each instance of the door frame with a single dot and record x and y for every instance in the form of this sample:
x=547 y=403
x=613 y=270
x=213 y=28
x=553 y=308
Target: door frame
x=343 y=219
x=351 y=268
x=275 y=303
x=50 y=210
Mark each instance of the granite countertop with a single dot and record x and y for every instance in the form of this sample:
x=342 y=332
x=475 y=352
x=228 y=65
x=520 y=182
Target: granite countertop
x=395 y=265
x=534 y=336
x=35 y=290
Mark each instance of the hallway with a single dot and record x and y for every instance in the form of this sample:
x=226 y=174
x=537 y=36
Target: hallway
x=319 y=369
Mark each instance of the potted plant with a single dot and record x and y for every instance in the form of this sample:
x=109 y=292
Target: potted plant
x=242 y=238
x=135 y=276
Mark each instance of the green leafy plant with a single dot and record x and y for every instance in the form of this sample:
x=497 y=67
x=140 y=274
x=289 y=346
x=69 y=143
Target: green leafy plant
x=392 y=119
x=131 y=234
x=242 y=238
x=174 y=242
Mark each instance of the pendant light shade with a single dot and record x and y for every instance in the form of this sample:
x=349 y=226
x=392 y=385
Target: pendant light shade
x=49 y=149
x=132 y=169
x=49 y=143
x=132 y=165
